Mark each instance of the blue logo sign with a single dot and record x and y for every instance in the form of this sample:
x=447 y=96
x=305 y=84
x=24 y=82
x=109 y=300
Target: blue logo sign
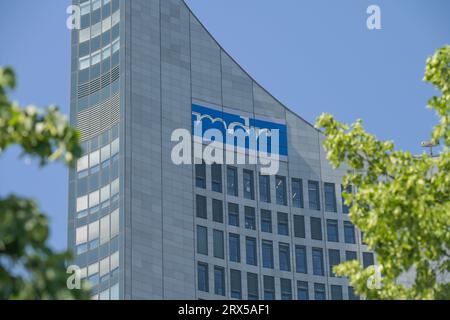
x=225 y=122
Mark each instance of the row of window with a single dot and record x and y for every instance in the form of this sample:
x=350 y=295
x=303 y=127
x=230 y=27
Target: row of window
x=92 y=12
x=97 y=233
x=95 y=158
x=267 y=254
x=98 y=199
x=101 y=271
x=100 y=27
x=282 y=223
x=97 y=179
x=101 y=140
x=281 y=190
x=269 y=290
x=99 y=55
x=108 y=294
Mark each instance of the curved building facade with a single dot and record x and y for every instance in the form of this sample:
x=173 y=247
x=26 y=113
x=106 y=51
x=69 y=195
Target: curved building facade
x=143 y=226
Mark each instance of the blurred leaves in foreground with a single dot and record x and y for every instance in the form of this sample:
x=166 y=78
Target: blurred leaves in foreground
x=29 y=268
x=402 y=201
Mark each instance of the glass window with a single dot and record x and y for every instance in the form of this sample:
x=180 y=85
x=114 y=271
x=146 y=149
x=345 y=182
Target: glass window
x=115 y=292
x=301 y=259
x=203 y=281
x=264 y=188
x=286 y=289
x=368 y=259
x=81 y=235
x=251 y=256
x=202 y=240
x=330 y=197
x=252 y=286
x=85 y=35
x=115 y=5
x=316 y=228
x=115 y=187
x=92 y=269
x=106 y=52
x=115 y=46
x=267 y=254
x=218 y=243
x=285 y=257
x=319 y=291
x=233 y=214
x=269 y=288
x=93 y=230
x=82 y=248
x=232 y=181
x=94 y=169
x=104 y=230
x=106 y=24
x=299 y=226
x=115 y=261
x=350 y=255
x=249 y=189
x=235 y=247
x=266 y=221
x=114 y=147
x=85 y=8
x=96 y=30
x=96 y=57
x=104 y=295
x=345 y=208
x=83 y=164
x=334 y=258
x=349 y=232
x=93 y=279
x=280 y=190
x=104 y=194
x=94 y=199
x=250 y=218
x=104 y=267
x=216 y=177
x=200 y=176
x=95 y=46
x=217 y=210
x=314 y=195
x=115 y=32
x=336 y=292
x=302 y=290
x=115 y=223
x=351 y=294
x=297 y=193
x=362 y=239
x=115 y=18
x=332 y=231
x=96 y=4
x=283 y=225
x=84 y=49
x=94 y=159
x=219 y=281
x=105 y=153
x=84 y=62
x=236 y=285
x=317 y=256
x=201 y=207
x=82 y=203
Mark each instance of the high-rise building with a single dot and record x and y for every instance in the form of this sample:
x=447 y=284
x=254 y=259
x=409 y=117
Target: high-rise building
x=143 y=226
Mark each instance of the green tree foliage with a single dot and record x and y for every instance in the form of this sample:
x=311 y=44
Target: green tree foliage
x=402 y=203
x=29 y=269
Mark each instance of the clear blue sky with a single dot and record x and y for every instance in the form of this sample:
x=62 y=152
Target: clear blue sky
x=313 y=55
